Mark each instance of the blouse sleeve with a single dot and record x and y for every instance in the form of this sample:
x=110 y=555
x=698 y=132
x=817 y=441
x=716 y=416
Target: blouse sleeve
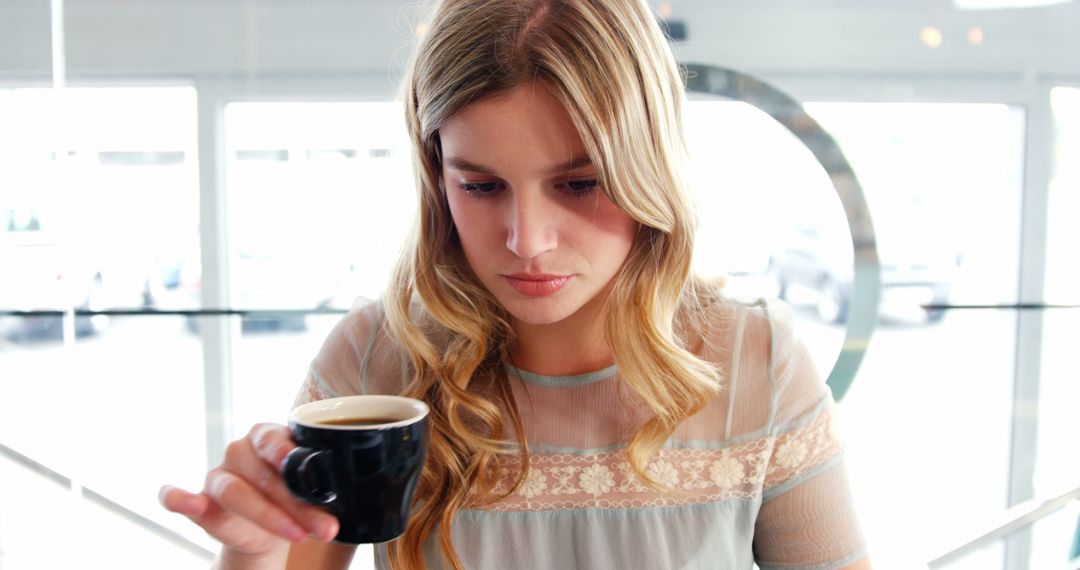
x=807 y=519
x=355 y=358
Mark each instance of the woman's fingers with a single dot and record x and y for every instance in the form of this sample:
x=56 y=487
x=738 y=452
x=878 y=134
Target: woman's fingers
x=270 y=444
x=236 y=496
x=182 y=502
x=238 y=533
x=245 y=503
x=229 y=529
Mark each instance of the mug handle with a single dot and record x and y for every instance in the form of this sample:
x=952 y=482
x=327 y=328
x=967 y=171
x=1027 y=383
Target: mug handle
x=308 y=475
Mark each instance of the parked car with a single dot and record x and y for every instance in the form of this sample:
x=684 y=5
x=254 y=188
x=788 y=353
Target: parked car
x=267 y=281
x=44 y=268
x=915 y=271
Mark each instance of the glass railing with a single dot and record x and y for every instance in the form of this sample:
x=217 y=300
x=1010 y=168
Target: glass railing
x=1050 y=527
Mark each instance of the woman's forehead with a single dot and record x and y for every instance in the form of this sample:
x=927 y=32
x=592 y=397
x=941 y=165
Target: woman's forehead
x=526 y=123
x=527 y=103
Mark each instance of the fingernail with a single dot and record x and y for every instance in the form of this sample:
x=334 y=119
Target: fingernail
x=329 y=527
x=293 y=532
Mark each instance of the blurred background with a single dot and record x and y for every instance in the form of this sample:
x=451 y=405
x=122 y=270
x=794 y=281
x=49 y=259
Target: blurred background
x=192 y=192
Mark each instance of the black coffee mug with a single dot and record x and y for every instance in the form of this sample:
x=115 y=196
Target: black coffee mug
x=360 y=458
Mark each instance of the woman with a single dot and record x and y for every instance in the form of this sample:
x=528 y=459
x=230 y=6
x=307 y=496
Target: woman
x=593 y=404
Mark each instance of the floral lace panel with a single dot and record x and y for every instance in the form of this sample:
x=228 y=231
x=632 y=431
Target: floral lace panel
x=803 y=449
x=693 y=476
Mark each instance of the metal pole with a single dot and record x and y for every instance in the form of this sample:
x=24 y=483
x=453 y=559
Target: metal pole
x=1038 y=165
x=218 y=333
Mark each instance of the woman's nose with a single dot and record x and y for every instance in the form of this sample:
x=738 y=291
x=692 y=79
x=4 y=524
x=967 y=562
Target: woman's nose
x=531 y=227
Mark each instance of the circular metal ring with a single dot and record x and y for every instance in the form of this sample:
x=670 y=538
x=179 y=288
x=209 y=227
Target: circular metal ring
x=866 y=284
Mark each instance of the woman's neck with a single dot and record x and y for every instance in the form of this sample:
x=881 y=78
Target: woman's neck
x=574 y=345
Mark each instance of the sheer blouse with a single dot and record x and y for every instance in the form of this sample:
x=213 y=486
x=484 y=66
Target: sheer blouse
x=756 y=477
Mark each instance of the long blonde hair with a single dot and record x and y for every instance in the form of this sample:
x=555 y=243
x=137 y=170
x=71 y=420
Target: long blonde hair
x=609 y=65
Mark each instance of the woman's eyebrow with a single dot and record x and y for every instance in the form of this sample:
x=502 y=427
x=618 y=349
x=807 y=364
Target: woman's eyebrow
x=575 y=163
x=468 y=166
x=462 y=164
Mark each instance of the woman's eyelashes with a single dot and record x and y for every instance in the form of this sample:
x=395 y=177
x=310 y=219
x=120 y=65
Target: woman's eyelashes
x=580 y=188
x=575 y=188
x=480 y=189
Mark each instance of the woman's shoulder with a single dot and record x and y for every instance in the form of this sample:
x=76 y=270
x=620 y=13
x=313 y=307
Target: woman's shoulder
x=770 y=381
x=763 y=332
x=363 y=315
x=776 y=357
x=717 y=322
x=752 y=340
x=356 y=332
x=359 y=355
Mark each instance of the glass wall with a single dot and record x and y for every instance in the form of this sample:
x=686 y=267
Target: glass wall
x=320 y=200
x=920 y=164
x=98 y=207
x=1057 y=465
x=249 y=158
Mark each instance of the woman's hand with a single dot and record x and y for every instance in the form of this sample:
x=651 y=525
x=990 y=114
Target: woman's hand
x=244 y=502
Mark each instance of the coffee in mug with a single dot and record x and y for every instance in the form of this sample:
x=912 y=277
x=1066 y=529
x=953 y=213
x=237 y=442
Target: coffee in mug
x=359 y=457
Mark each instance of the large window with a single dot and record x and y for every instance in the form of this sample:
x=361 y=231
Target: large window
x=98 y=207
x=1057 y=466
x=320 y=201
x=923 y=167
x=250 y=156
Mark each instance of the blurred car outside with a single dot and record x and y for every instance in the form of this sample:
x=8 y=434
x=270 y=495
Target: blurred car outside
x=48 y=267
x=265 y=281
x=917 y=269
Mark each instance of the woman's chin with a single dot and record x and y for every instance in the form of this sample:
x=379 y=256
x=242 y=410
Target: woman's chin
x=538 y=312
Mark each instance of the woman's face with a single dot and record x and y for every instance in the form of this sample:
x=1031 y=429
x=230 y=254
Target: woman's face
x=536 y=227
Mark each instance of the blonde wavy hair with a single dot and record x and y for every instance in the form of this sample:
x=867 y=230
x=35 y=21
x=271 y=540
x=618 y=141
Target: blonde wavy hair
x=609 y=65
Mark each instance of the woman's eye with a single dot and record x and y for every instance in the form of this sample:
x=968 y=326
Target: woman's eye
x=580 y=188
x=480 y=188
x=575 y=188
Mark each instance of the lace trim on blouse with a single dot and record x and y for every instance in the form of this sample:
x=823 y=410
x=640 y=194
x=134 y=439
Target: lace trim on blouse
x=762 y=467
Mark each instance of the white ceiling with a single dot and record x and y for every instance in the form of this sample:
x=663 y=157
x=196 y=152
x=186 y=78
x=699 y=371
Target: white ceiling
x=348 y=38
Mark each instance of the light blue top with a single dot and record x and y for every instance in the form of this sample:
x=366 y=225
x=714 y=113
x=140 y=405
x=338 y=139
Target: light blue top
x=756 y=477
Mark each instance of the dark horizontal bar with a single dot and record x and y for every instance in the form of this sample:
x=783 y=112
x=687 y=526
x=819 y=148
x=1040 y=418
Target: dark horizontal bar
x=108 y=504
x=1012 y=307
x=177 y=312
x=256 y=313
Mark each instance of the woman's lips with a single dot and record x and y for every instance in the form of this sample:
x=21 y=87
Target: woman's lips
x=537 y=285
